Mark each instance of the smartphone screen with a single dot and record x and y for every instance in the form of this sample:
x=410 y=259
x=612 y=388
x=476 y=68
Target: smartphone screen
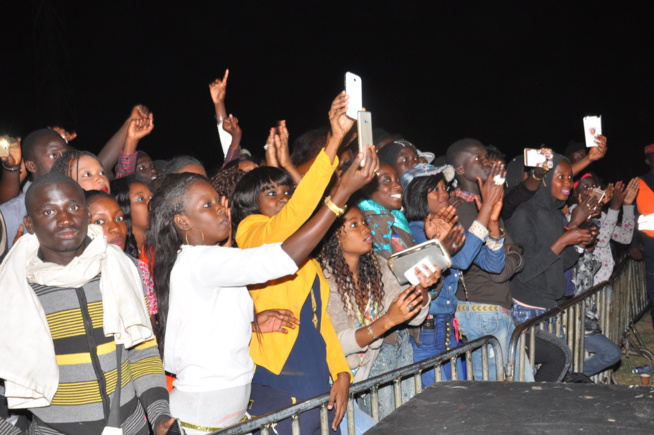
x=364 y=130
x=354 y=90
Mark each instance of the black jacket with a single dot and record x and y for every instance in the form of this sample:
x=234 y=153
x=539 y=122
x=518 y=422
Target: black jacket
x=536 y=225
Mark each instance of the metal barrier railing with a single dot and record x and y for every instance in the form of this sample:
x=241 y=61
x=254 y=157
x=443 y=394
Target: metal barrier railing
x=373 y=384
x=619 y=302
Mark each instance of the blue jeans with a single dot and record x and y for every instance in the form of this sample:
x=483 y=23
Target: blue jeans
x=391 y=357
x=436 y=341
x=474 y=325
x=552 y=354
x=605 y=354
x=521 y=314
x=362 y=421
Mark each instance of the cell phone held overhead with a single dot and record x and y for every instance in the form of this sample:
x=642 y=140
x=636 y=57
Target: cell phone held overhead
x=364 y=130
x=538 y=158
x=592 y=127
x=353 y=88
x=6 y=143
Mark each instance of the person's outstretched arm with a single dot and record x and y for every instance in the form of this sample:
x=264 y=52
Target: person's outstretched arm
x=108 y=155
x=299 y=245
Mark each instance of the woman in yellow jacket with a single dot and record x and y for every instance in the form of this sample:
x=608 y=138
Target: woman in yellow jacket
x=302 y=361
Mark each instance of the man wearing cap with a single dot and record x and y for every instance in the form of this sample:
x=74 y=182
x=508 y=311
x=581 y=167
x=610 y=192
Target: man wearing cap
x=643 y=244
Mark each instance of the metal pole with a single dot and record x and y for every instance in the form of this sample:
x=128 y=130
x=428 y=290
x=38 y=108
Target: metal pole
x=397 y=389
x=484 y=363
x=374 y=402
x=295 y=424
x=418 y=381
x=350 y=416
x=324 y=420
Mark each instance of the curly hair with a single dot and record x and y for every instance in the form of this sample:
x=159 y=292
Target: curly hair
x=163 y=239
x=226 y=179
x=355 y=297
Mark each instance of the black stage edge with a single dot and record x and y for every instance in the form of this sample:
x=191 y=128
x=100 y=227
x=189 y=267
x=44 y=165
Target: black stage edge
x=467 y=407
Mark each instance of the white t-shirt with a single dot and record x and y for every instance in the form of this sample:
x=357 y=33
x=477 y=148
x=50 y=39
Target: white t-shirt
x=210 y=313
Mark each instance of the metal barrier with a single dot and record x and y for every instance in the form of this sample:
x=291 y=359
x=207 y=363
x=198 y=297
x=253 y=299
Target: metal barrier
x=372 y=385
x=620 y=300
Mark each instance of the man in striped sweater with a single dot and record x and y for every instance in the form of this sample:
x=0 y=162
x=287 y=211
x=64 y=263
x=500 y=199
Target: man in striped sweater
x=69 y=300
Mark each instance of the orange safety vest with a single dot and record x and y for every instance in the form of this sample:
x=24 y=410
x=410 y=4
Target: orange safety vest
x=645 y=204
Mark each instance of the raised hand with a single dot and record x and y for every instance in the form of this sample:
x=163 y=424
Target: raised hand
x=68 y=136
x=340 y=123
x=15 y=156
x=140 y=127
x=596 y=153
x=139 y=111
x=283 y=154
x=584 y=211
x=271 y=148
x=218 y=89
x=632 y=191
x=454 y=240
x=492 y=192
x=438 y=225
x=608 y=193
x=276 y=321
x=356 y=176
x=617 y=195
x=230 y=124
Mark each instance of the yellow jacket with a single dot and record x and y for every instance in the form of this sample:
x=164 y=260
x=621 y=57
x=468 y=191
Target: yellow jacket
x=272 y=350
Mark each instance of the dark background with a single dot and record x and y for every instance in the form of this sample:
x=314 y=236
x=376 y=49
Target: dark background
x=510 y=74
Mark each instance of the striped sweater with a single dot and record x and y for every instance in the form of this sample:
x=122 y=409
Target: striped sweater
x=87 y=370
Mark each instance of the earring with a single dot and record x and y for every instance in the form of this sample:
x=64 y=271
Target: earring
x=186 y=237
x=201 y=233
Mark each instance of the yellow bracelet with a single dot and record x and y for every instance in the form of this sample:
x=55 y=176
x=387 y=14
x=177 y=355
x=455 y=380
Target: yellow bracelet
x=338 y=211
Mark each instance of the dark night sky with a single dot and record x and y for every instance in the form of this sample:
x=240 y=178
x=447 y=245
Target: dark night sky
x=510 y=74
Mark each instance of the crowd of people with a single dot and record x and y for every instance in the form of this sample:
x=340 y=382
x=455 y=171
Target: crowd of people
x=137 y=292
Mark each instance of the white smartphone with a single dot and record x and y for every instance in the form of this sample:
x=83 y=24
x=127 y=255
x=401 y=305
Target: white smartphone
x=425 y=266
x=538 y=158
x=353 y=89
x=592 y=127
x=364 y=130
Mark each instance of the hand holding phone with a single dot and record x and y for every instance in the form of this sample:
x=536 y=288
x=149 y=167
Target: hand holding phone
x=592 y=128
x=354 y=90
x=364 y=130
x=539 y=158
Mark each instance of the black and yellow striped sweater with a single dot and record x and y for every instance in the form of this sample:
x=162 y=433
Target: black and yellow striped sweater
x=87 y=370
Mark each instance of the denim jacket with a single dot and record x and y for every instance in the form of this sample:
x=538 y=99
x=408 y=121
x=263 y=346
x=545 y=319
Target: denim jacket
x=474 y=251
